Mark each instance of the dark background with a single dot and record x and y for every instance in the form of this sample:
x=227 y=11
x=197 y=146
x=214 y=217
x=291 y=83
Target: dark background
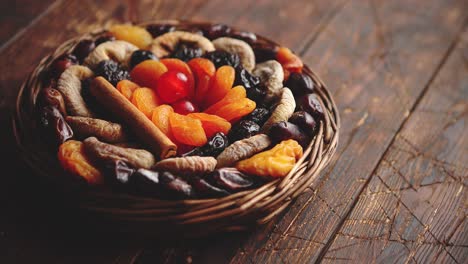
x=394 y=192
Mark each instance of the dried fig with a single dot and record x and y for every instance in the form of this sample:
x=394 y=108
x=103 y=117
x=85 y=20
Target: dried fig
x=166 y=43
x=119 y=51
x=190 y=164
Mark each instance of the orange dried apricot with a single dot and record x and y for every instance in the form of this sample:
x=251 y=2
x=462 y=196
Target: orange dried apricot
x=234 y=111
x=138 y=36
x=72 y=157
x=232 y=96
x=221 y=84
x=160 y=118
x=212 y=124
x=146 y=100
x=203 y=71
x=127 y=88
x=173 y=64
x=187 y=130
x=290 y=61
x=147 y=73
x=276 y=162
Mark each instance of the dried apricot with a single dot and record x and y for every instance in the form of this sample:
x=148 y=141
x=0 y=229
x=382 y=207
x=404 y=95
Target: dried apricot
x=234 y=111
x=212 y=124
x=138 y=36
x=290 y=61
x=235 y=94
x=203 y=71
x=221 y=84
x=160 y=118
x=146 y=73
x=146 y=100
x=276 y=162
x=180 y=66
x=127 y=88
x=72 y=157
x=187 y=130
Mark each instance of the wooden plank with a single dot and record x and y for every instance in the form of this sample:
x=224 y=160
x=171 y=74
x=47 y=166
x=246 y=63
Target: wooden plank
x=376 y=58
x=17 y=14
x=415 y=207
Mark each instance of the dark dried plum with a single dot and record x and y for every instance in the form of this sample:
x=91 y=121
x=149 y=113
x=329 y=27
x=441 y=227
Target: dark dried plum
x=285 y=130
x=257 y=94
x=243 y=129
x=220 y=58
x=51 y=97
x=145 y=182
x=62 y=63
x=156 y=30
x=259 y=115
x=244 y=78
x=246 y=36
x=104 y=38
x=83 y=48
x=231 y=179
x=118 y=171
x=300 y=84
x=139 y=56
x=212 y=148
x=216 y=31
x=305 y=121
x=264 y=51
x=311 y=104
x=112 y=71
x=205 y=190
x=186 y=52
x=175 y=187
x=56 y=129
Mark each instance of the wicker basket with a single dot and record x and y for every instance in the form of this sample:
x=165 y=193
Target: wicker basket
x=127 y=213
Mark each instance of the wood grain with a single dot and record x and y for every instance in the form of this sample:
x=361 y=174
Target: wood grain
x=417 y=201
x=377 y=58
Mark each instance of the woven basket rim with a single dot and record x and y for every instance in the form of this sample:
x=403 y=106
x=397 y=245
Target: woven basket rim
x=244 y=209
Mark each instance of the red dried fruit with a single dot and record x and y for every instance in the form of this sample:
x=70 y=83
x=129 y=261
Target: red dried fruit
x=184 y=107
x=180 y=66
x=172 y=86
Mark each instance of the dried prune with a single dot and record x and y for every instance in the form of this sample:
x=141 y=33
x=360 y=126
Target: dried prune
x=300 y=84
x=244 y=78
x=112 y=71
x=259 y=115
x=175 y=187
x=186 y=52
x=231 y=179
x=216 y=31
x=212 y=148
x=83 y=48
x=145 y=182
x=305 y=121
x=140 y=56
x=264 y=51
x=50 y=96
x=285 y=130
x=257 y=94
x=220 y=58
x=205 y=190
x=243 y=129
x=156 y=30
x=311 y=104
x=54 y=125
x=246 y=36
x=104 y=38
x=118 y=171
x=62 y=63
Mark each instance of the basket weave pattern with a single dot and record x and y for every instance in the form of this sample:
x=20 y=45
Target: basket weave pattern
x=191 y=217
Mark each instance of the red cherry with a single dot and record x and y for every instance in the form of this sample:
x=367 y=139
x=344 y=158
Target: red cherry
x=184 y=107
x=172 y=86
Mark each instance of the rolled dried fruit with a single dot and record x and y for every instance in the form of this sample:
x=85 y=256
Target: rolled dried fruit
x=274 y=163
x=73 y=159
x=85 y=127
x=184 y=165
x=102 y=153
x=69 y=84
x=242 y=149
x=283 y=110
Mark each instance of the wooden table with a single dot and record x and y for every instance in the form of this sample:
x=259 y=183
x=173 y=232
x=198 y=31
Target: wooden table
x=394 y=192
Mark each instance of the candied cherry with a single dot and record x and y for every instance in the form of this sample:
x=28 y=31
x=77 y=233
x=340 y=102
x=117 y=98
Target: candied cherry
x=147 y=73
x=172 y=86
x=138 y=36
x=173 y=64
x=203 y=71
x=184 y=107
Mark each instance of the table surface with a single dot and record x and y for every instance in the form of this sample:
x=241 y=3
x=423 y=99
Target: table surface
x=396 y=188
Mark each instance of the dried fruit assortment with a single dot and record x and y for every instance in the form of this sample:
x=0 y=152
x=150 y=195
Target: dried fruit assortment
x=178 y=113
